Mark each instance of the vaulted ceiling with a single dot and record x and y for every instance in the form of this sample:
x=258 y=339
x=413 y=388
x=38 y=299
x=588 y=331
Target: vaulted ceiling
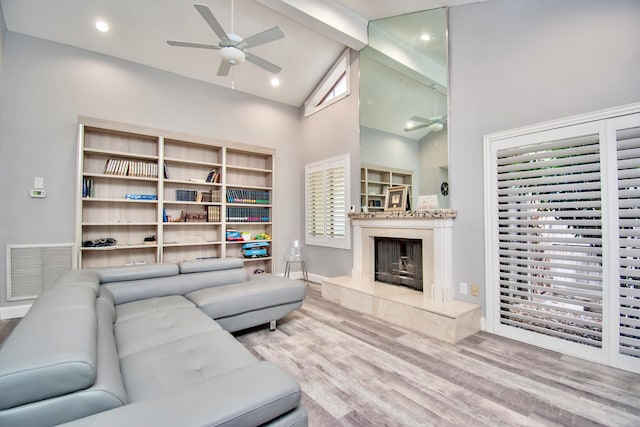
x=316 y=32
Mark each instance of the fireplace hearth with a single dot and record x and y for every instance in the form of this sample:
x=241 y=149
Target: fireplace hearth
x=399 y=262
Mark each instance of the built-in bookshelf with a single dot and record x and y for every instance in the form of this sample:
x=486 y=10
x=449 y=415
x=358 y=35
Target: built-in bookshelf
x=374 y=181
x=148 y=196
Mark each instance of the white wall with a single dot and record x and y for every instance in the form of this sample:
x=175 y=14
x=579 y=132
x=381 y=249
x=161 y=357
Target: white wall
x=520 y=62
x=45 y=86
x=330 y=132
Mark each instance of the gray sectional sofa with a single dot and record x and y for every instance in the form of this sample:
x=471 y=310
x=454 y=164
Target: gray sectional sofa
x=150 y=346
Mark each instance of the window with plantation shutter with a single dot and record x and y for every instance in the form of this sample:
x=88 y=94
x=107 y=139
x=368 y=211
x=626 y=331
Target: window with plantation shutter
x=563 y=235
x=550 y=238
x=326 y=191
x=628 y=150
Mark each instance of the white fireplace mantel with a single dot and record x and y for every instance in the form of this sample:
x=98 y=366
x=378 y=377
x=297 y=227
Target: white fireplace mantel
x=434 y=227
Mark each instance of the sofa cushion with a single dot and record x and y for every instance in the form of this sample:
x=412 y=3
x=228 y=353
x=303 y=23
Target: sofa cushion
x=182 y=362
x=210 y=265
x=150 y=323
x=137 y=272
x=230 y=300
x=52 y=351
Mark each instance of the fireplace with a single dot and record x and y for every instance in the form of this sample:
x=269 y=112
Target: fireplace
x=431 y=228
x=399 y=262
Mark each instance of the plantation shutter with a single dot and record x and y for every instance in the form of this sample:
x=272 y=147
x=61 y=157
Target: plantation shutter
x=628 y=160
x=336 y=201
x=315 y=202
x=550 y=238
x=327 y=198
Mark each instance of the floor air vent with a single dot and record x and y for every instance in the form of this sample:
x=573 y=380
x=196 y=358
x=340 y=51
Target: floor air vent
x=33 y=268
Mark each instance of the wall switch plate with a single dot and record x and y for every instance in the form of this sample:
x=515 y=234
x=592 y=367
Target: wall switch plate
x=38 y=193
x=464 y=288
x=475 y=291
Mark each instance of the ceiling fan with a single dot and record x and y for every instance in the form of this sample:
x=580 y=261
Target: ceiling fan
x=433 y=124
x=232 y=46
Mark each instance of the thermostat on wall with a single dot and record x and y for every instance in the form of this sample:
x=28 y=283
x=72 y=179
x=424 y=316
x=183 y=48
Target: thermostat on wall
x=38 y=193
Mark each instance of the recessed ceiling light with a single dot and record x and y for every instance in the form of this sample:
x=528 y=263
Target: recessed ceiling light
x=102 y=26
x=409 y=125
x=425 y=37
x=275 y=82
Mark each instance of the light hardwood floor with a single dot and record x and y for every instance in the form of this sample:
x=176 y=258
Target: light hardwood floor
x=356 y=370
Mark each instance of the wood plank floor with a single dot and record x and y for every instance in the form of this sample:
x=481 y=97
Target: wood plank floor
x=356 y=370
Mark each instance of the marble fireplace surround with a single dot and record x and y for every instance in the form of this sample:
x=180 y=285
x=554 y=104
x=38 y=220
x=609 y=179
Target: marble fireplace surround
x=433 y=312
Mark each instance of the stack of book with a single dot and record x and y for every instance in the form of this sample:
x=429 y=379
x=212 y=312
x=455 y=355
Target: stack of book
x=258 y=197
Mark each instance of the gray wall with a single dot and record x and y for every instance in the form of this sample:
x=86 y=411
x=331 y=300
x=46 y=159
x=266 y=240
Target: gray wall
x=520 y=62
x=328 y=133
x=433 y=155
x=46 y=85
x=386 y=149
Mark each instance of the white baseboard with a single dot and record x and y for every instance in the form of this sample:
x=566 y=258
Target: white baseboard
x=14 y=311
x=315 y=278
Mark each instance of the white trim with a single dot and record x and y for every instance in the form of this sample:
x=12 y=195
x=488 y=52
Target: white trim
x=341 y=66
x=14 y=311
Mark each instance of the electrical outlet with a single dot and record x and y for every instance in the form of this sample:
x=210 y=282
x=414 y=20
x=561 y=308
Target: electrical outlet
x=464 y=288
x=474 y=290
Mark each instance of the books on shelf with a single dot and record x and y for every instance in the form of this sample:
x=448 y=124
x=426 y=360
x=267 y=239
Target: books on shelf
x=236 y=214
x=257 y=197
x=88 y=190
x=213 y=214
x=128 y=167
x=213 y=176
x=130 y=196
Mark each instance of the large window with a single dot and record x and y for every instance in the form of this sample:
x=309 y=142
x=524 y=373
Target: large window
x=563 y=233
x=327 y=198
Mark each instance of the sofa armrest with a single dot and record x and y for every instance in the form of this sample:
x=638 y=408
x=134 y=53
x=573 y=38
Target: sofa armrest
x=251 y=395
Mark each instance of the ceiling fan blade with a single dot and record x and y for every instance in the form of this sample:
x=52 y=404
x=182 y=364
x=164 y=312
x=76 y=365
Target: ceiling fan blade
x=262 y=63
x=420 y=120
x=409 y=129
x=266 y=36
x=206 y=13
x=224 y=69
x=188 y=44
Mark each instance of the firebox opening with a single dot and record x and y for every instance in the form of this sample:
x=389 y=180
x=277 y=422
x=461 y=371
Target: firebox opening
x=399 y=261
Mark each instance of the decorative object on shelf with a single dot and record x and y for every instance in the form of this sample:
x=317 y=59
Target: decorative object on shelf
x=396 y=198
x=429 y=201
x=255 y=250
x=444 y=188
x=150 y=240
x=98 y=243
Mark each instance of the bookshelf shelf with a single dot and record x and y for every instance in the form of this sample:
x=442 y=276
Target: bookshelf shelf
x=190 y=177
x=111 y=153
x=184 y=244
x=109 y=200
x=374 y=180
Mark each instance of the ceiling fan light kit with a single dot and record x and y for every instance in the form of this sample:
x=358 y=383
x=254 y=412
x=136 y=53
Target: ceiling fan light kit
x=231 y=46
x=232 y=55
